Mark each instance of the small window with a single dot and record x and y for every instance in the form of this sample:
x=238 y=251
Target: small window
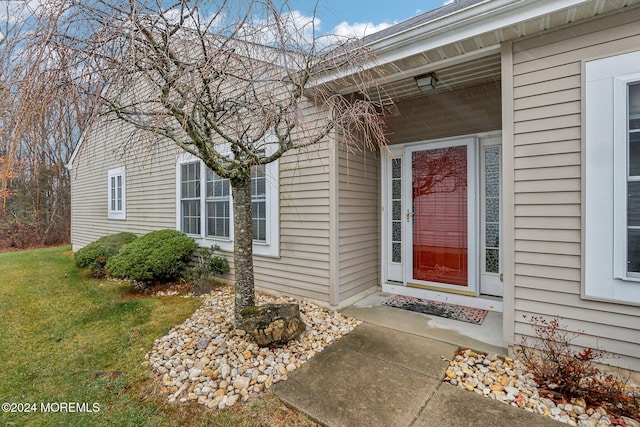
x=116 y=194
x=190 y=197
x=259 y=203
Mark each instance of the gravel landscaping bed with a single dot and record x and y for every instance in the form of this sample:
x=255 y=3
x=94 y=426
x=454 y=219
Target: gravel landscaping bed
x=508 y=381
x=206 y=360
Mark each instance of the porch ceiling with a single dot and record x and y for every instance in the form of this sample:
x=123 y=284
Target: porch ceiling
x=454 y=77
x=464 y=62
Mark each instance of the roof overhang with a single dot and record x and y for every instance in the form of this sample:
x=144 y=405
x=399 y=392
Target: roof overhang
x=480 y=25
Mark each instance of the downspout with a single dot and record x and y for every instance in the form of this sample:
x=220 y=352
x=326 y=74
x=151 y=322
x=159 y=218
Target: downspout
x=334 y=221
x=508 y=192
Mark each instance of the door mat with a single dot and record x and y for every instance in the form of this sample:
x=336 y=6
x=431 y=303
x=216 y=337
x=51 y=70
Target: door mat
x=441 y=309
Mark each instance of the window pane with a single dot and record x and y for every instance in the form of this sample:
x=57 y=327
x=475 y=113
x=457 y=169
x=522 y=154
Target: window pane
x=397 y=210
x=396 y=168
x=259 y=230
x=396 y=192
x=493 y=210
x=396 y=232
x=258 y=181
x=492 y=185
x=217 y=206
x=218 y=219
x=225 y=188
x=634 y=154
x=119 y=192
x=633 y=251
x=258 y=202
x=493 y=236
x=634 y=106
x=191 y=216
x=396 y=252
x=634 y=129
x=258 y=209
x=492 y=160
x=113 y=193
x=492 y=264
x=209 y=183
x=633 y=203
x=190 y=180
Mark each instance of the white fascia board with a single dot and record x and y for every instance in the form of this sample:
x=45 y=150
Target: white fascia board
x=475 y=20
x=69 y=164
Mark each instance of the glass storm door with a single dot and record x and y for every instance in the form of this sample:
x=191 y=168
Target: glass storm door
x=441 y=217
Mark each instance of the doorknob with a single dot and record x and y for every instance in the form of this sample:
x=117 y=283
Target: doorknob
x=409 y=215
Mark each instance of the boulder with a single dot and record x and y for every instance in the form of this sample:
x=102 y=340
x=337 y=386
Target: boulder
x=273 y=325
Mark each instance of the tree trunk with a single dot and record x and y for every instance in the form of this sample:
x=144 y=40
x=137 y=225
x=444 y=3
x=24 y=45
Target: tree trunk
x=242 y=244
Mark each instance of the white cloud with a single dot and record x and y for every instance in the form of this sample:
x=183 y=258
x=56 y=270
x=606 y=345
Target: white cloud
x=448 y=2
x=358 y=29
x=295 y=28
x=193 y=18
x=17 y=11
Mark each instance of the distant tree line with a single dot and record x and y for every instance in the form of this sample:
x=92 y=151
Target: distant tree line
x=41 y=118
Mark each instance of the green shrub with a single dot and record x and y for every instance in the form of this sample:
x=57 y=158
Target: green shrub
x=208 y=266
x=159 y=256
x=95 y=255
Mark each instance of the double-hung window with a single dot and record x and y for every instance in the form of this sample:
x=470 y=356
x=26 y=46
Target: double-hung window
x=259 y=203
x=190 y=197
x=633 y=180
x=218 y=206
x=116 y=194
x=612 y=178
x=208 y=217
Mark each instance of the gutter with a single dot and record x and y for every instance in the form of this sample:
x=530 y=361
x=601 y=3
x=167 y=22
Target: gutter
x=477 y=19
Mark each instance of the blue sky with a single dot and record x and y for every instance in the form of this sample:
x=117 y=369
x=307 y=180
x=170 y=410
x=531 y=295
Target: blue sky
x=338 y=16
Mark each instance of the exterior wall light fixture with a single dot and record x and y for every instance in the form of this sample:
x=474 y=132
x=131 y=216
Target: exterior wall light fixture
x=426 y=82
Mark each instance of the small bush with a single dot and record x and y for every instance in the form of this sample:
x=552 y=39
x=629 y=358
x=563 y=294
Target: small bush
x=156 y=257
x=565 y=372
x=208 y=266
x=95 y=255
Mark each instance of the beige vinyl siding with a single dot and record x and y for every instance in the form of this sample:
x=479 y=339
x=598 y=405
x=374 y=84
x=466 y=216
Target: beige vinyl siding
x=149 y=183
x=302 y=266
x=359 y=222
x=547 y=171
x=447 y=113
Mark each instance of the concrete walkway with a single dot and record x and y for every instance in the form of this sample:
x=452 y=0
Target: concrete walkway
x=378 y=376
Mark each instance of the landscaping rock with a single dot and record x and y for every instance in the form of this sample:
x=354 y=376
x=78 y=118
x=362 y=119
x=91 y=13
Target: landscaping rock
x=273 y=325
x=509 y=381
x=231 y=354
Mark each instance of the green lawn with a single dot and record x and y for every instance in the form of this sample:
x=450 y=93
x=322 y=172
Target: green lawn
x=67 y=337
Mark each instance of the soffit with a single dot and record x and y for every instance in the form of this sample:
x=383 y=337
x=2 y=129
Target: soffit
x=477 y=59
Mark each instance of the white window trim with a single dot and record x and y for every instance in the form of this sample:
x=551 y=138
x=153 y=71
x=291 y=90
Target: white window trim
x=268 y=248
x=605 y=171
x=116 y=213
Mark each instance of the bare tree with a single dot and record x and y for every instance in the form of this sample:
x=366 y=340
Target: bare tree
x=41 y=115
x=231 y=82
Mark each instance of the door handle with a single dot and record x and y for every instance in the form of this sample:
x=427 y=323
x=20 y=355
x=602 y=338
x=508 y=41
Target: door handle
x=409 y=215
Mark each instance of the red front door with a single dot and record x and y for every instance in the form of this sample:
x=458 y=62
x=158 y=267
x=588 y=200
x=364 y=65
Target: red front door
x=440 y=199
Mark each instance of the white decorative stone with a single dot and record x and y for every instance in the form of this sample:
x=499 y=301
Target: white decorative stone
x=208 y=361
